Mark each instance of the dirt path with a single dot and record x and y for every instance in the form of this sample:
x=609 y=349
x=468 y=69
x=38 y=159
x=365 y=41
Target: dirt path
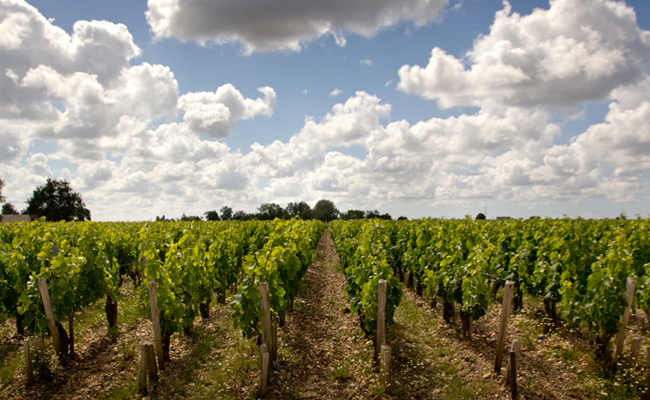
x=320 y=337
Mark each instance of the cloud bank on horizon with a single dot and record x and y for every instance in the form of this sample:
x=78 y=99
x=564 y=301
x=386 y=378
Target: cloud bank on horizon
x=128 y=139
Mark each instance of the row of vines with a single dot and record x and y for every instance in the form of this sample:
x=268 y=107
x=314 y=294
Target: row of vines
x=582 y=265
x=191 y=262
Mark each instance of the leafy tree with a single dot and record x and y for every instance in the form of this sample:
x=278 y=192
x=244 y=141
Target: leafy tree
x=270 y=211
x=2 y=184
x=8 y=208
x=299 y=210
x=372 y=214
x=226 y=213
x=241 y=215
x=326 y=211
x=480 y=216
x=211 y=216
x=402 y=218
x=353 y=214
x=57 y=201
x=189 y=218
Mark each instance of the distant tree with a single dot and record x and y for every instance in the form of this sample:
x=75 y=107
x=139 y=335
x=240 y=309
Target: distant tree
x=353 y=214
x=211 y=215
x=325 y=210
x=163 y=219
x=299 y=210
x=269 y=211
x=480 y=216
x=226 y=213
x=8 y=208
x=189 y=218
x=402 y=218
x=240 y=215
x=2 y=184
x=57 y=201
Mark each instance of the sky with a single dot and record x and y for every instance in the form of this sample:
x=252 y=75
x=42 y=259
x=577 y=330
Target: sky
x=418 y=108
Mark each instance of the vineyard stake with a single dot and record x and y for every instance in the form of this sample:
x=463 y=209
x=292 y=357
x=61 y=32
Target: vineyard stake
x=385 y=364
x=47 y=304
x=151 y=362
x=265 y=368
x=155 y=320
x=143 y=369
x=28 y=363
x=505 y=310
x=516 y=347
x=636 y=347
x=513 y=375
x=381 y=316
x=620 y=337
x=265 y=305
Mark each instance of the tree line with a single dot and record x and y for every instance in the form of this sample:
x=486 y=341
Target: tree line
x=324 y=210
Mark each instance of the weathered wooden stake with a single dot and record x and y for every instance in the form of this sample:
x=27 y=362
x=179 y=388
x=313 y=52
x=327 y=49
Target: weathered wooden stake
x=151 y=362
x=385 y=364
x=143 y=369
x=513 y=375
x=29 y=371
x=265 y=368
x=155 y=320
x=636 y=347
x=516 y=347
x=47 y=304
x=265 y=305
x=505 y=311
x=620 y=337
x=382 y=287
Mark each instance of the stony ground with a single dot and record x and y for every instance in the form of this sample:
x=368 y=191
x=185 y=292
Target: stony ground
x=323 y=354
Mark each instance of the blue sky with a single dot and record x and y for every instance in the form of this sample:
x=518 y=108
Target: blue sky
x=414 y=107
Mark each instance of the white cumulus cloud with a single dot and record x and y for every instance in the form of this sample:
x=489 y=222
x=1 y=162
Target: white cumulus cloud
x=577 y=50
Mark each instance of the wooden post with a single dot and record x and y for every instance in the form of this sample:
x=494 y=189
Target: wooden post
x=151 y=362
x=513 y=375
x=47 y=304
x=29 y=371
x=265 y=368
x=636 y=347
x=382 y=287
x=516 y=347
x=155 y=319
x=265 y=305
x=385 y=364
x=143 y=369
x=620 y=337
x=505 y=311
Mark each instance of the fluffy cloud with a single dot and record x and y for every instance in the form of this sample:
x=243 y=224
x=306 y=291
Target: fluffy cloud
x=216 y=113
x=280 y=24
x=578 y=50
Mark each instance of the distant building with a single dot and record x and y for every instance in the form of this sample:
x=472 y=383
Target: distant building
x=15 y=218
x=498 y=218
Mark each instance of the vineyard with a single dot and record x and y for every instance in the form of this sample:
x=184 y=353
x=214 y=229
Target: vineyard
x=578 y=272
